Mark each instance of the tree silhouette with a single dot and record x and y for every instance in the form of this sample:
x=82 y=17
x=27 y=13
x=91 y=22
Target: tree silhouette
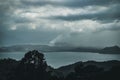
x=35 y=58
x=32 y=67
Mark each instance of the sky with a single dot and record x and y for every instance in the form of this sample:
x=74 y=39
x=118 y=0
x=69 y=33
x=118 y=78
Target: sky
x=86 y=23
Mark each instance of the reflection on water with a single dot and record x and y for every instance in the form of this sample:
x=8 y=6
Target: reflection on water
x=57 y=59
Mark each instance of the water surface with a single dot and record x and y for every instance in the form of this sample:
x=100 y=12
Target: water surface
x=57 y=59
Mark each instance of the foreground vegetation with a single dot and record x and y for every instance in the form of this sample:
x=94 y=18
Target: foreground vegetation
x=34 y=67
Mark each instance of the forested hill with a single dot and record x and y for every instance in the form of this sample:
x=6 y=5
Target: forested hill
x=34 y=67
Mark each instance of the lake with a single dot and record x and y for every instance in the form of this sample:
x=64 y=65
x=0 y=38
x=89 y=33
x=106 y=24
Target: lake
x=57 y=59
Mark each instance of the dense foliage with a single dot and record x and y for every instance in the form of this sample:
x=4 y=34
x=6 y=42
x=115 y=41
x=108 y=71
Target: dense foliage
x=34 y=67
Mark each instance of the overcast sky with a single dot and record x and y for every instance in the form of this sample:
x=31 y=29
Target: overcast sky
x=91 y=23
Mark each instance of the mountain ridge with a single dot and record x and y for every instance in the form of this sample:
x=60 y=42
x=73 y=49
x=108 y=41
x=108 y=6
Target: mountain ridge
x=47 y=48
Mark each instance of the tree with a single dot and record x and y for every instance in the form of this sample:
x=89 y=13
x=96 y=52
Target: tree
x=32 y=67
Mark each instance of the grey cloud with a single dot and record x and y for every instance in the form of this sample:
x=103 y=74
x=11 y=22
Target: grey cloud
x=70 y=3
x=106 y=38
x=24 y=35
x=112 y=27
x=6 y=10
x=21 y=20
x=107 y=16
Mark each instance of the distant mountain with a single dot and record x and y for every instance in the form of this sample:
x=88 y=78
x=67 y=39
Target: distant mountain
x=84 y=49
x=60 y=48
x=24 y=48
x=43 y=48
x=111 y=50
x=47 y=48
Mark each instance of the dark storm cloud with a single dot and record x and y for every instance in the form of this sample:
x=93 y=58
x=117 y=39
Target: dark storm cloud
x=6 y=10
x=69 y=3
x=82 y=3
x=3 y=17
x=114 y=27
x=16 y=17
x=21 y=20
x=106 y=16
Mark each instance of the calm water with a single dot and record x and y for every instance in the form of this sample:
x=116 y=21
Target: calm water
x=57 y=59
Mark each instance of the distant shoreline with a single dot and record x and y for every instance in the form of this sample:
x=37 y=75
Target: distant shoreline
x=46 y=48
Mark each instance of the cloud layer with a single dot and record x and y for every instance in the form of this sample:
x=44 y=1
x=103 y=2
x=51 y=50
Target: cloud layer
x=81 y=22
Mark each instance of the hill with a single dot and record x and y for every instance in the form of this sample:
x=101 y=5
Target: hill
x=111 y=50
